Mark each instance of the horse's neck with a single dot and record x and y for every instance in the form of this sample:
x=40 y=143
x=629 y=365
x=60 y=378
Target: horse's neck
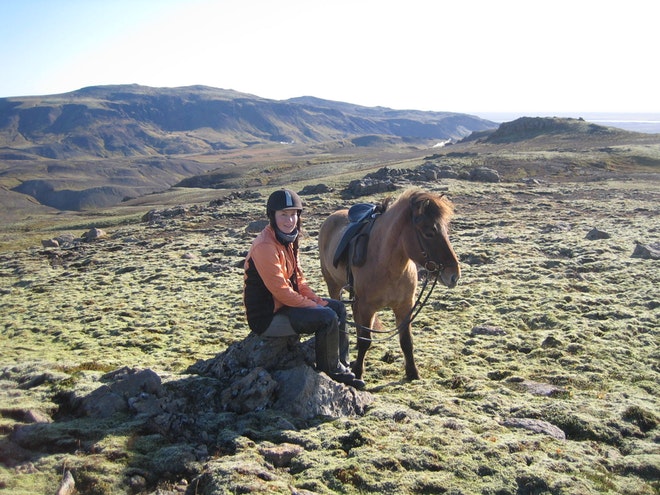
x=392 y=233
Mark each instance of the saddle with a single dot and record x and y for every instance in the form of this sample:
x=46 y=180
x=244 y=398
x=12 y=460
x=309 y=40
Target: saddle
x=353 y=245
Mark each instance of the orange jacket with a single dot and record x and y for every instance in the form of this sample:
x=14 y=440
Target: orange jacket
x=270 y=272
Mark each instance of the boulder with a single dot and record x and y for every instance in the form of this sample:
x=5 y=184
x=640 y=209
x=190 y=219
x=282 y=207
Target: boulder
x=595 y=234
x=535 y=425
x=316 y=189
x=124 y=389
x=647 y=252
x=484 y=174
x=278 y=373
x=368 y=186
x=251 y=375
x=256 y=226
x=94 y=234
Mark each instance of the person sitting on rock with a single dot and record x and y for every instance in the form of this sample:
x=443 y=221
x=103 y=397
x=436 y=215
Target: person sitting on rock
x=279 y=302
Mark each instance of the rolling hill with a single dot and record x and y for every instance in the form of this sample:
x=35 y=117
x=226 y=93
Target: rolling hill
x=100 y=145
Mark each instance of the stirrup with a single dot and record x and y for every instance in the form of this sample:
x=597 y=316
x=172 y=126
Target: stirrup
x=349 y=289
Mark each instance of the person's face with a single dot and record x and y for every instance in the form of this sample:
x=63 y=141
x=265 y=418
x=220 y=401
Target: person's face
x=286 y=220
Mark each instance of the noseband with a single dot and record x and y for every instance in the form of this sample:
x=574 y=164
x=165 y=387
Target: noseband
x=429 y=265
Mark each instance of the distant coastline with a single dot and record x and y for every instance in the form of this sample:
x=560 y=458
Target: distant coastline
x=638 y=122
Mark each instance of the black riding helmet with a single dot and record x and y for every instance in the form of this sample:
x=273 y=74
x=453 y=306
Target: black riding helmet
x=283 y=199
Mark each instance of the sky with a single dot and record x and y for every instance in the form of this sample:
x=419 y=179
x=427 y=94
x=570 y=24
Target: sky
x=473 y=56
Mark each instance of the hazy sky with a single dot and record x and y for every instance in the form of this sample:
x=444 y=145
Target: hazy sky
x=467 y=56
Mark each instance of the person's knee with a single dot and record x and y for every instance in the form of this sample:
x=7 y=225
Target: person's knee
x=338 y=307
x=327 y=324
x=328 y=317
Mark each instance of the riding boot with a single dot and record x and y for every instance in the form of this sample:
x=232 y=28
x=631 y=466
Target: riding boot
x=340 y=309
x=327 y=348
x=327 y=357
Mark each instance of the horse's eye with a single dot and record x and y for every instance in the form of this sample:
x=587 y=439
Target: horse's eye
x=429 y=233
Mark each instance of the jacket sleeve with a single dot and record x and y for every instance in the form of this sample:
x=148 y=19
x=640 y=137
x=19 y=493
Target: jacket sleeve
x=306 y=290
x=272 y=273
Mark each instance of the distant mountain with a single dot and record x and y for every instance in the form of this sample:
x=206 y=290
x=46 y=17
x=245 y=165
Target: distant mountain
x=99 y=145
x=132 y=120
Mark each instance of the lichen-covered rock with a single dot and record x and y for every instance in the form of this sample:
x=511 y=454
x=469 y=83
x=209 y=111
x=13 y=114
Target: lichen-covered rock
x=484 y=174
x=537 y=426
x=123 y=387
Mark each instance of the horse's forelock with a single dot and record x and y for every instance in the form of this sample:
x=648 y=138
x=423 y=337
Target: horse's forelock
x=442 y=206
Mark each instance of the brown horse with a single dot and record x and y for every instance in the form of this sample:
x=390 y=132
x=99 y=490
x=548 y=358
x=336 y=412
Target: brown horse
x=411 y=230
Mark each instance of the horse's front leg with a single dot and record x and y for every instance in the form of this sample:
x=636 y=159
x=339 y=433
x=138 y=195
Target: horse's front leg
x=406 y=343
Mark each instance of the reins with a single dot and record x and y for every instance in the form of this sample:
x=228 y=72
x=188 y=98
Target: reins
x=412 y=314
x=430 y=266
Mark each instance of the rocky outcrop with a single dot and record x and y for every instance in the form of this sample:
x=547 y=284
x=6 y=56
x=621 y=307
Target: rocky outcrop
x=386 y=179
x=251 y=375
x=277 y=373
x=253 y=381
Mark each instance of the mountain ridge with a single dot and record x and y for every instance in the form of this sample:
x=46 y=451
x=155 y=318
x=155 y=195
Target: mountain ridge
x=97 y=146
x=102 y=145
x=132 y=120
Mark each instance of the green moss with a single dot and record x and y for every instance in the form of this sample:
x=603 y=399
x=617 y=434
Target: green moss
x=573 y=313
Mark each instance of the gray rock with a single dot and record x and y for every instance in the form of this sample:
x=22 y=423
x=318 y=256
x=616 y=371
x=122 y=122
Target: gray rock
x=94 y=234
x=278 y=373
x=595 y=234
x=368 y=186
x=537 y=426
x=256 y=226
x=317 y=189
x=647 y=252
x=124 y=385
x=484 y=174
x=305 y=393
x=253 y=392
x=537 y=388
x=487 y=330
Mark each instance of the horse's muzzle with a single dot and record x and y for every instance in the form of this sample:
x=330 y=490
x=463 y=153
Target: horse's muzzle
x=450 y=276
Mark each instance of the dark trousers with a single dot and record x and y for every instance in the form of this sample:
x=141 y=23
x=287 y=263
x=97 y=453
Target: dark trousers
x=327 y=323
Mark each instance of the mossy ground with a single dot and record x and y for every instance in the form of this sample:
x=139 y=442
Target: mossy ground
x=576 y=314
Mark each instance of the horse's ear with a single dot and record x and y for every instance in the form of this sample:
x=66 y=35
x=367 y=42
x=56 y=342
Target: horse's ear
x=420 y=206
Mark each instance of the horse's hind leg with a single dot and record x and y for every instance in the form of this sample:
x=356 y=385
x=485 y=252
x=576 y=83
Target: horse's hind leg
x=334 y=287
